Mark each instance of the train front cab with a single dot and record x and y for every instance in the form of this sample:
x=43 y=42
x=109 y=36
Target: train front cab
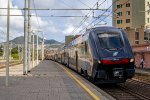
x=112 y=56
x=107 y=73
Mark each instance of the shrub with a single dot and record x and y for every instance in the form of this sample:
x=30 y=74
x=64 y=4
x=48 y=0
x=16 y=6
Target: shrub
x=15 y=56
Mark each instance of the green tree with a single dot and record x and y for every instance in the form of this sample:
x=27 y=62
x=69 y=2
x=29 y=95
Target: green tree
x=14 y=50
x=14 y=53
x=1 y=50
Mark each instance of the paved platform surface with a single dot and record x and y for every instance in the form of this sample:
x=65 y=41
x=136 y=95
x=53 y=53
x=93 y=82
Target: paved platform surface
x=143 y=71
x=47 y=81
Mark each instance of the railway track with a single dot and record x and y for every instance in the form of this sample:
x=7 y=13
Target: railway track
x=143 y=78
x=131 y=90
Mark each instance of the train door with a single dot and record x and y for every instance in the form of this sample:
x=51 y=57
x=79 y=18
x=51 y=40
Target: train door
x=88 y=58
x=76 y=60
x=83 y=56
x=60 y=57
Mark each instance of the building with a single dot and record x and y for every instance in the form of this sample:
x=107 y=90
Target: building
x=130 y=15
x=135 y=36
x=70 y=38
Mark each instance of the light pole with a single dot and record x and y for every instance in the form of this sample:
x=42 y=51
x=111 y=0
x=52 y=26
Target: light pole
x=25 y=40
x=33 y=57
x=29 y=37
x=37 y=47
x=42 y=53
x=43 y=46
x=32 y=50
x=10 y=48
x=7 y=51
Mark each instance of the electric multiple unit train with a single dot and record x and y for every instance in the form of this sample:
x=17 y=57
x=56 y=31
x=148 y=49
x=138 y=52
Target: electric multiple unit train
x=103 y=54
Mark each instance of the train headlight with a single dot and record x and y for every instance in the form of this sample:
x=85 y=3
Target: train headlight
x=132 y=60
x=99 y=61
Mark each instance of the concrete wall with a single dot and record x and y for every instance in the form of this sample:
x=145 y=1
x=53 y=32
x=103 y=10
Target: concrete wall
x=131 y=35
x=138 y=17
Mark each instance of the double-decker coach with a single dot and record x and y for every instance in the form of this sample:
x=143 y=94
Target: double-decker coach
x=103 y=54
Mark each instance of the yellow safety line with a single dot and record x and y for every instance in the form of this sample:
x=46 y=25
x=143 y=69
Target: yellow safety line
x=94 y=96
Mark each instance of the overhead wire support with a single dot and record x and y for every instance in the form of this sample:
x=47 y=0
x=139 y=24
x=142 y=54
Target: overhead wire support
x=25 y=8
x=36 y=15
x=52 y=16
x=25 y=40
x=80 y=9
x=29 y=38
x=102 y=14
x=7 y=51
x=84 y=19
x=53 y=9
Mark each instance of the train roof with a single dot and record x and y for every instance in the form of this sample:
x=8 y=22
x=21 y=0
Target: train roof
x=84 y=36
x=104 y=28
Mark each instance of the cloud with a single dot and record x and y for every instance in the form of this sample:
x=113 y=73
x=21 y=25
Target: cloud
x=68 y=30
x=16 y=23
x=55 y=28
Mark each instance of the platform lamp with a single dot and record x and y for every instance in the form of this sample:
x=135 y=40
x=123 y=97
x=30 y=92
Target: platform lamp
x=32 y=49
x=42 y=53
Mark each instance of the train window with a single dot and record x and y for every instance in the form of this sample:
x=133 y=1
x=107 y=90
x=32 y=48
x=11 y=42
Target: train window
x=110 y=40
x=85 y=47
x=81 y=50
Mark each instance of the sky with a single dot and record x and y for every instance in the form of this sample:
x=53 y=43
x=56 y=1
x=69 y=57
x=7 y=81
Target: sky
x=53 y=27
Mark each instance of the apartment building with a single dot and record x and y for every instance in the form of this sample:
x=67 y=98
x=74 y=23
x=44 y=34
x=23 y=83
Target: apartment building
x=134 y=17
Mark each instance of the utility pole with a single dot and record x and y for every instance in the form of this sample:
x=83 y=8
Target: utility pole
x=4 y=51
x=37 y=49
x=42 y=46
x=7 y=51
x=43 y=49
x=25 y=40
x=10 y=48
x=19 y=52
x=33 y=51
x=29 y=36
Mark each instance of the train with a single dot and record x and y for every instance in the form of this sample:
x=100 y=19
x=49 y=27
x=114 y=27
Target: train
x=101 y=54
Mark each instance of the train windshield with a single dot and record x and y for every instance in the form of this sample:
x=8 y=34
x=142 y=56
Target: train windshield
x=110 y=40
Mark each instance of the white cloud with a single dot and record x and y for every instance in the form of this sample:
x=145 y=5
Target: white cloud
x=16 y=23
x=68 y=30
x=56 y=27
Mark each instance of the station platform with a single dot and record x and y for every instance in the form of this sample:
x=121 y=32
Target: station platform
x=143 y=71
x=47 y=81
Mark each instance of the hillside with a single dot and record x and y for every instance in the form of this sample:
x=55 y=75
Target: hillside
x=20 y=40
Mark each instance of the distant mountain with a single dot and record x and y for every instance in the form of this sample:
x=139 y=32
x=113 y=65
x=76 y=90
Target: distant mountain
x=20 y=40
x=52 y=41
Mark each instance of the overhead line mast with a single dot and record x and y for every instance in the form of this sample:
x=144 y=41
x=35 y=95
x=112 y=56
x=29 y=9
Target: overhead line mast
x=29 y=37
x=25 y=39
x=7 y=51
